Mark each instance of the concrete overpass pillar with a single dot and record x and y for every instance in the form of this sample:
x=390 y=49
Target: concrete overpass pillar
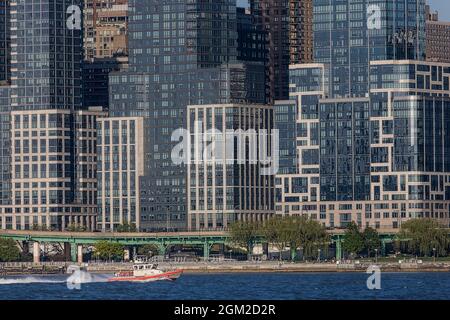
x=338 y=250
x=206 y=248
x=293 y=251
x=36 y=252
x=383 y=247
x=80 y=254
x=126 y=254
x=67 y=249
x=265 y=249
x=73 y=252
x=161 y=250
x=25 y=247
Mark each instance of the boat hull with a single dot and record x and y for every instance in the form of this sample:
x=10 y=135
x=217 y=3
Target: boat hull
x=170 y=275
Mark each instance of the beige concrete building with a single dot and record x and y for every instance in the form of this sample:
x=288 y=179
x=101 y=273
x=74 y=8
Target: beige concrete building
x=225 y=185
x=120 y=166
x=378 y=160
x=105 y=25
x=301 y=31
x=53 y=161
x=437 y=38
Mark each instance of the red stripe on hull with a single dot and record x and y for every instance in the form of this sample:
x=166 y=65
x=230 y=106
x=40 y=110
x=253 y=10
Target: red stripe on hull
x=172 y=275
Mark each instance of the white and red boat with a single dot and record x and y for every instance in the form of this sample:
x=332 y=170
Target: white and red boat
x=146 y=272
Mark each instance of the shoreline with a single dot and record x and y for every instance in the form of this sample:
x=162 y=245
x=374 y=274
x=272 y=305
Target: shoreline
x=210 y=268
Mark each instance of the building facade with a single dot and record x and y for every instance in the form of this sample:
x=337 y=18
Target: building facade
x=377 y=160
x=5 y=41
x=226 y=179
x=51 y=165
x=180 y=53
x=120 y=165
x=96 y=80
x=5 y=103
x=105 y=28
x=438 y=38
x=301 y=31
x=54 y=166
x=350 y=34
x=273 y=17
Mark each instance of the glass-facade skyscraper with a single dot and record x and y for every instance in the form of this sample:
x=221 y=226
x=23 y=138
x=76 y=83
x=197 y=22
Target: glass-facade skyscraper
x=273 y=17
x=350 y=34
x=5 y=103
x=5 y=41
x=363 y=137
x=48 y=54
x=180 y=53
x=51 y=161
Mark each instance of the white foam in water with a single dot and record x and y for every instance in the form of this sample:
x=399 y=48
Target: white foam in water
x=26 y=280
x=78 y=277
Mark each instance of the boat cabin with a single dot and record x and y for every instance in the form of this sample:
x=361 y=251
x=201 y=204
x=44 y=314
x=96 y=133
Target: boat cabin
x=148 y=266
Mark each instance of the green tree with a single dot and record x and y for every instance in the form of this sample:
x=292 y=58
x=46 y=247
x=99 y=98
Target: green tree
x=106 y=250
x=74 y=227
x=306 y=233
x=353 y=240
x=371 y=240
x=126 y=227
x=279 y=232
x=8 y=250
x=315 y=237
x=244 y=234
x=422 y=235
x=37 y=227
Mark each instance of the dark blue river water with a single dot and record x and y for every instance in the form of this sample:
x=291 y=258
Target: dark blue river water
x=279 y=286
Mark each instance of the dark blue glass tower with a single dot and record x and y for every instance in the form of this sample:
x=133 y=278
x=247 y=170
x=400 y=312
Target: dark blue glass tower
x=180 y=53
x=49 y=53
x=350 y=34
x=5 y=103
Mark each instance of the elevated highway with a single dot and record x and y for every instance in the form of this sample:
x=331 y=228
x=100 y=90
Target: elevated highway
x=74 y=241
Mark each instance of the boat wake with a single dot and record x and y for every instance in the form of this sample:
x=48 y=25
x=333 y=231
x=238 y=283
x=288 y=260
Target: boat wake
x=28 y=280
x=74 y=279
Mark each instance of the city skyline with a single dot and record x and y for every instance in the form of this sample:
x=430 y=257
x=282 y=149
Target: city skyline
x=107 y=124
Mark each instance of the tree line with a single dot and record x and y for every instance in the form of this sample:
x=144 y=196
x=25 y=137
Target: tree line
x=420 y=237
x=295 y=232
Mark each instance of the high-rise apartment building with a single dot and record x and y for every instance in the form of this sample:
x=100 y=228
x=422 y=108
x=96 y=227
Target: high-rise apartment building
x=289 y=28
x=120 y=166
x=252 y=44
x=226 y=167
x=96 y=80
x=46 y=62
x=377 y=160
x=273 y=17
x=52 y=160
x=363 y=136
x=301 y=31
x=437 y=38
x=5 y=103
x=5 y=41
x=105 y=28
x=180 y=53
x=350 y=34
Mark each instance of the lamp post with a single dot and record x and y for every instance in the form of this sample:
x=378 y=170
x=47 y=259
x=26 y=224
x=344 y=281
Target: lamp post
x=318 y=254
x=376 y=255
x=434 y=255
